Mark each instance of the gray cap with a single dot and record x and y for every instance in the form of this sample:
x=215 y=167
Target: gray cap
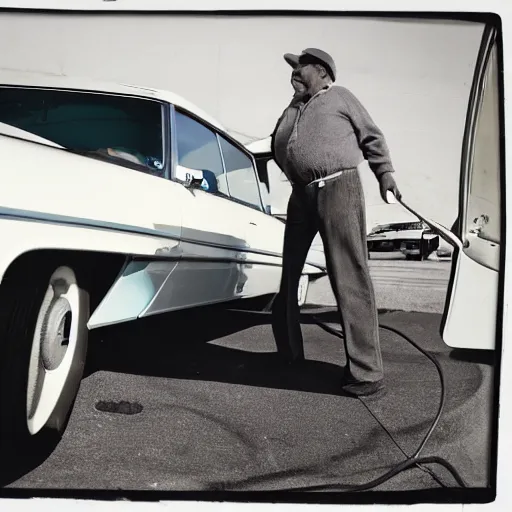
x=322 y=57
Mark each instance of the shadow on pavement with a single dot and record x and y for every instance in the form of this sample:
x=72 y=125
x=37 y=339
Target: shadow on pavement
x=178 y=345
x=487 y=357
x=212 y=344
x=17 y=465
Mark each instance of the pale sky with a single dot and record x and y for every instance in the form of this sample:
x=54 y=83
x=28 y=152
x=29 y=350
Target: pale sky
x=413 y=77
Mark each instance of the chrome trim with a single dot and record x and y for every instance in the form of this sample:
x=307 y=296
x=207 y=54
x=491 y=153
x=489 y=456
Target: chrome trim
x=174 y=142
x=192 y=250
x=173 y=232
x=29 y=215
x=223 y=259
x=217 y=136
x=189 y=250
x=79 y=90
x=166 y=142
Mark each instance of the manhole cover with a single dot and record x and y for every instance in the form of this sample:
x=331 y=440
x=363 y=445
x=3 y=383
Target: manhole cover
x=121 y=407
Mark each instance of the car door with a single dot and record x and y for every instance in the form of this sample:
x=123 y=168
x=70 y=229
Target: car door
x=213 y=231
x=264 y=234
x=471 y=309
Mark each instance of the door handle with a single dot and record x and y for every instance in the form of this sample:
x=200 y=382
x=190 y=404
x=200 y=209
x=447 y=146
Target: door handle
x=253 y=223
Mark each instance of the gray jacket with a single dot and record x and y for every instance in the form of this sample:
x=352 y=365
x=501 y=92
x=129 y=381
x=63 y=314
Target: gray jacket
x=330 y=132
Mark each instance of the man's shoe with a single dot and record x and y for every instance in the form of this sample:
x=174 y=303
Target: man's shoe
x=363 y=389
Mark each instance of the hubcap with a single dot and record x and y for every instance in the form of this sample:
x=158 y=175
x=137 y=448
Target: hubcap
x=55 y=333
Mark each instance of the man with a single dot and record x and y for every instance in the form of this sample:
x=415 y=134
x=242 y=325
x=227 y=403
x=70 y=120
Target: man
x=318 y=142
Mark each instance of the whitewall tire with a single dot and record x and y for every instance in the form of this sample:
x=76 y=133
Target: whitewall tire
x=58 y=352
x=44 y=309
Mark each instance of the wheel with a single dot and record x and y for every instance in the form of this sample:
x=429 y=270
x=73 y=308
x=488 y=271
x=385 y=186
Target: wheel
x=59 y=348
x=43 y=336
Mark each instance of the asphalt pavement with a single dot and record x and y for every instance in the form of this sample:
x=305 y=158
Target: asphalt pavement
x=399 y=284
x=179 y=402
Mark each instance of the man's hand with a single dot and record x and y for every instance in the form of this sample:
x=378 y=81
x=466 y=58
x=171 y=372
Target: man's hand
x=387 y=182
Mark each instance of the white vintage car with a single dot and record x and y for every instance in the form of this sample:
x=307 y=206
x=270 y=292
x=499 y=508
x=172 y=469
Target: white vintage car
x=129 y=202
x=117 y=202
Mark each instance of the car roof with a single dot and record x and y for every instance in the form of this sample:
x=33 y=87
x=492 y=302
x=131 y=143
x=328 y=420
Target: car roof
x=260 y=147
x=54 y=81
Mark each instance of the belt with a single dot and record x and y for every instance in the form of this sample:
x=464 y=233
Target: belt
x=321 y=181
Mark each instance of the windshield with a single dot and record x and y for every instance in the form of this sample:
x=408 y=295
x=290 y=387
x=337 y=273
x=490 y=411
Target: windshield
x=121 y=129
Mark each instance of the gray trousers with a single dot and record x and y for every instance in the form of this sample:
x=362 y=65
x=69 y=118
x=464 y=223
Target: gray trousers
x=337 y=211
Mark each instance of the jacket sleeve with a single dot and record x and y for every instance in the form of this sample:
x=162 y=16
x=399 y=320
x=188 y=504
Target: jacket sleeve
x=370 y=138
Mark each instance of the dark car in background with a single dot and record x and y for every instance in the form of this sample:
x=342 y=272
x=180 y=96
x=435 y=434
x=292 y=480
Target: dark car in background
x=414 y=239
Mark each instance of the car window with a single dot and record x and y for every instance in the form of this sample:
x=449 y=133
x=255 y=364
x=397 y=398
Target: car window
x=483 y=207
x=242 y=181
x=120 y=129
x=198 y=148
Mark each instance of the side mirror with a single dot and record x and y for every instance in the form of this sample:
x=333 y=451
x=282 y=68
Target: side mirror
x=209 y=182
x=194 y=180
x=191 y=178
